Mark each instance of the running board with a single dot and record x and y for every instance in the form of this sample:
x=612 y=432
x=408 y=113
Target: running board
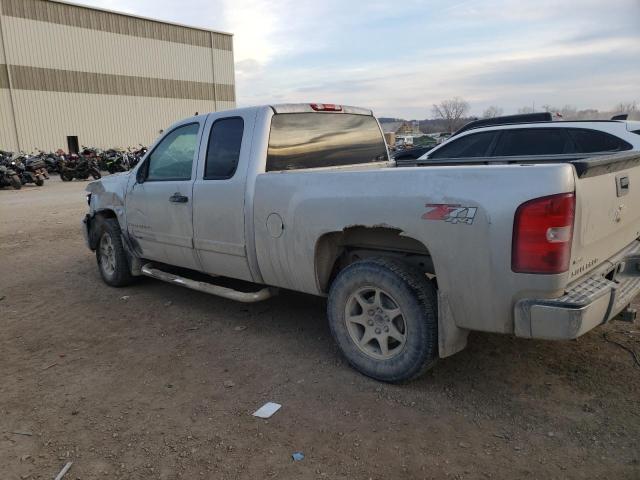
x=245 y=297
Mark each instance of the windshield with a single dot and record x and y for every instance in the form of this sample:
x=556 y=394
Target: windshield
x=312 y=140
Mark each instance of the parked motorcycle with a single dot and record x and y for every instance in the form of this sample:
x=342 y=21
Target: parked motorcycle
x=37 y=166
x=136 y=155
x=50 y=159
x=30 y=170
x=79 y=167
x=9 y=177
x=116 y=161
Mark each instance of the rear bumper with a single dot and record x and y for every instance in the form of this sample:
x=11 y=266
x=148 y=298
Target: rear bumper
x=592 y=302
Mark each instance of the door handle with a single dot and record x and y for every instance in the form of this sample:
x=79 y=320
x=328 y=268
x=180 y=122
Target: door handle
x=177 y=198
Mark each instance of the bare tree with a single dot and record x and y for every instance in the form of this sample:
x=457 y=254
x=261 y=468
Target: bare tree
x=492 y=112
x=451 y=111
x=626 y=107
x=525 y=110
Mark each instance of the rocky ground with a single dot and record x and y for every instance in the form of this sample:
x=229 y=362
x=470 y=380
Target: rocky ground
x=158 y=382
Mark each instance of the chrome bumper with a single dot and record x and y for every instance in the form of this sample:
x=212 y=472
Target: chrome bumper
x=592 y=302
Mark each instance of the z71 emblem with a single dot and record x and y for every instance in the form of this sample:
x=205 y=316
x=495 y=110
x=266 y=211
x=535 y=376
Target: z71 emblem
x=450 y=213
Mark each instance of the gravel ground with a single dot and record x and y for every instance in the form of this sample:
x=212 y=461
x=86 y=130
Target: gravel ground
x=158 y=382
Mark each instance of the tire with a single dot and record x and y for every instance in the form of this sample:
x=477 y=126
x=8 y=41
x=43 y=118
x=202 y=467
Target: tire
x=39 y=180
x=16 y=182
x=95 y=174
x=110 y=254
x=66 y=177
x=372 y=297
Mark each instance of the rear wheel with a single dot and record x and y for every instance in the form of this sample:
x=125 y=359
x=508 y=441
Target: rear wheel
x=383 y=315
x=95 y=174
x=110 y=254
x=16 y=182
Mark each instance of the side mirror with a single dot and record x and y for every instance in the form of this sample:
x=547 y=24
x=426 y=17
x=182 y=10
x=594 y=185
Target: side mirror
x=141 y=174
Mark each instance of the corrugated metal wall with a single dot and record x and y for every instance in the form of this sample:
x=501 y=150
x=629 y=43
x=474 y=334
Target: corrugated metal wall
x=8 y=139
x=112 y=80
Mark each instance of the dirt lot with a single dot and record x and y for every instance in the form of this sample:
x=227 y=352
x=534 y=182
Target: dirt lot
x=130 y=383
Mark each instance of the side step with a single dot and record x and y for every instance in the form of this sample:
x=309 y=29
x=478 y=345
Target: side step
x=245 y=297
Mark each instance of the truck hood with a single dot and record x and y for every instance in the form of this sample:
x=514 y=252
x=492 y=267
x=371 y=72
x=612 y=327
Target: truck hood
x=116 y=181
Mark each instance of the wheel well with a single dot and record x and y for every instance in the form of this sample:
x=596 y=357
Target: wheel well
x=336 y=250
x=97 y=218
x=106 y=214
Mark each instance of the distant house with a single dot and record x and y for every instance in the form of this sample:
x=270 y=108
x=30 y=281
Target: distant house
x=391 y=127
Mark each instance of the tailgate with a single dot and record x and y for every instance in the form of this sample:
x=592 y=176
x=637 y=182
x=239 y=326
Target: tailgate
x=607 y=209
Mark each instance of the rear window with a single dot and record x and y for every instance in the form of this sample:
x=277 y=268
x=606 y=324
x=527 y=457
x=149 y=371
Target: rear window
x=469 y=146
x=312 y=140
x=533 y=141
x=591 y=141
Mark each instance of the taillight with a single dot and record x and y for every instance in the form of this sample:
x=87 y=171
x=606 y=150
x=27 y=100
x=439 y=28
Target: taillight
x=326 y=107
x=542 y=234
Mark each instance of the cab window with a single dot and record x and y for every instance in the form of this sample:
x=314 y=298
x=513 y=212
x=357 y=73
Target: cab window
x=223 y=151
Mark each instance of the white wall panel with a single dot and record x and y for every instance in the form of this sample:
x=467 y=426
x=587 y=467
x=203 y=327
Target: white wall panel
x=226 y=105
x=224 y=68
x=45 y=119
x=49 y=45
x=2 y=59
x=7 y=128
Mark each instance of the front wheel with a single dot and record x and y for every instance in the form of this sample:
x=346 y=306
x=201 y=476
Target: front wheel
x=39 y=180
x=16 y=182
x=66 y=177
x=383 y=316
x=110 y=254
x=95 y=174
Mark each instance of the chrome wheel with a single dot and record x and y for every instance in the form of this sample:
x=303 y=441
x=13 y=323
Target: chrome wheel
x=107 y=255
x=375 y=323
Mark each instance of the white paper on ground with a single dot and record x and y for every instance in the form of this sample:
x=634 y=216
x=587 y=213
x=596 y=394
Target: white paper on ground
x=267 y=410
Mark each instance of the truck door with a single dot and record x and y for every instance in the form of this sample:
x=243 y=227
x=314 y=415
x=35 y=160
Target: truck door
x=219 y=195
x=159 y=204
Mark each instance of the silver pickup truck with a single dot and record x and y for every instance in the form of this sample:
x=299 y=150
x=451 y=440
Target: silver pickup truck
x=303 y=197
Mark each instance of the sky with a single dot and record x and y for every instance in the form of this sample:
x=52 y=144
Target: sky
x=401 y=57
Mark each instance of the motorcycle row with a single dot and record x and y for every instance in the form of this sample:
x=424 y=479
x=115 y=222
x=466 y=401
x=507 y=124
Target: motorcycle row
x=17 y=169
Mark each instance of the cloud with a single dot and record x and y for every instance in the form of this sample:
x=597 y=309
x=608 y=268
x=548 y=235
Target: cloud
x=401 y=58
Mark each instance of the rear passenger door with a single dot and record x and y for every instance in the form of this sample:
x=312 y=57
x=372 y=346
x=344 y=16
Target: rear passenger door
x=219 y=195
x=526 y=142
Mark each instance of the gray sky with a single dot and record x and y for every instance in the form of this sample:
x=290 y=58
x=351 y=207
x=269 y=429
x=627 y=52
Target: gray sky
x=401 y=57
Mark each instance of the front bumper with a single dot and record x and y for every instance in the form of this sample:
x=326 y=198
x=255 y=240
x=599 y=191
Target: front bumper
x=86 y=225
x=592 y=302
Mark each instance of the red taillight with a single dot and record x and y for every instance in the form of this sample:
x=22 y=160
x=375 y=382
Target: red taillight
x=326 y=107
x=542 y=234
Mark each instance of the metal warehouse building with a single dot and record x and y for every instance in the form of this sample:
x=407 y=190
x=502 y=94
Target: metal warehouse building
x=72 y=75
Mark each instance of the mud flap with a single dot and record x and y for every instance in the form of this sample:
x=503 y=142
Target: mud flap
x=451 y=338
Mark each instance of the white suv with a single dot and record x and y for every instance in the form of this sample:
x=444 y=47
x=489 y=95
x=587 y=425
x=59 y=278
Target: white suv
x=507 y=138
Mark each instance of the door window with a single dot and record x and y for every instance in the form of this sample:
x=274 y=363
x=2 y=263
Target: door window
x=469 y=146
x=172 y=159
x=591 y=141
x=533 y=141
x=223 y=152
